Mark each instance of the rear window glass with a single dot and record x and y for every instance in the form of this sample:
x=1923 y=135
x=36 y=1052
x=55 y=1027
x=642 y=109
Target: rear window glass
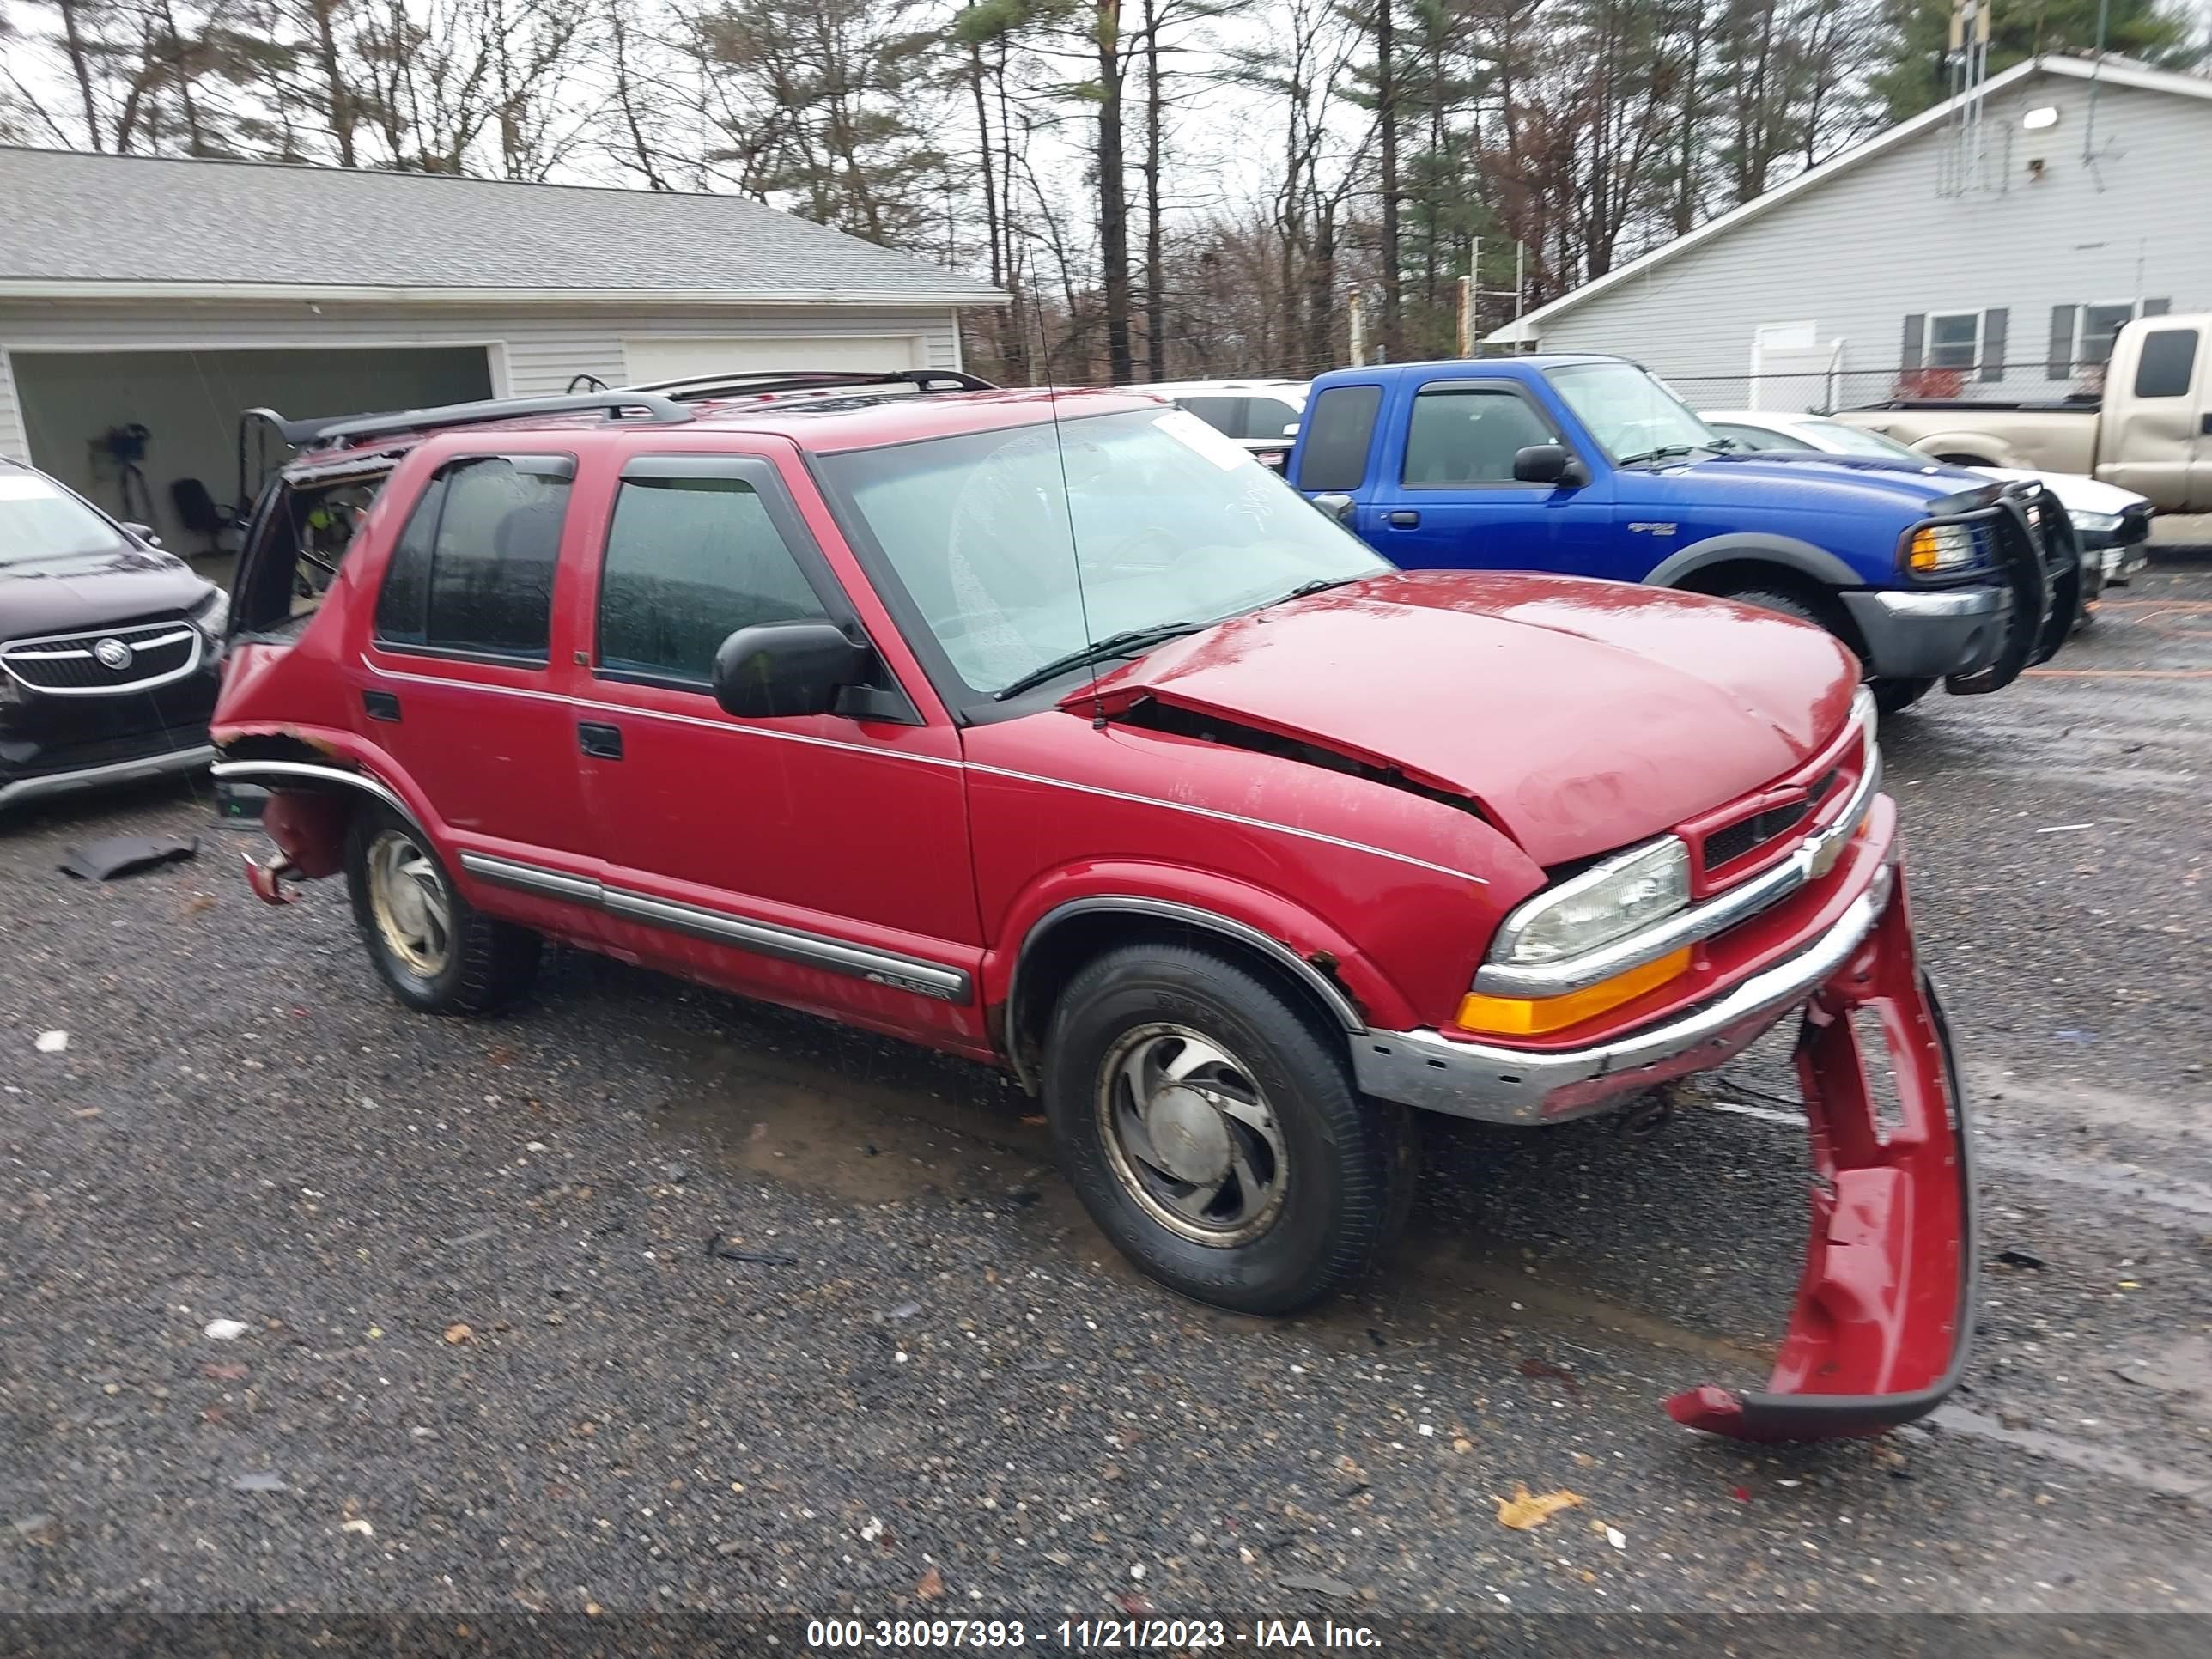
x=473 y=568
x=689 y=561
x=1339 y=426
x=2168 y=362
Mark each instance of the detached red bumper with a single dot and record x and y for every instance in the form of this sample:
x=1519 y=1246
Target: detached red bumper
x=1885 y=1310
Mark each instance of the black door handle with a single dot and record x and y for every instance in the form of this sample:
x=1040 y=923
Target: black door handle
x=601 y=742
x=380 y=705
x=1402 y=519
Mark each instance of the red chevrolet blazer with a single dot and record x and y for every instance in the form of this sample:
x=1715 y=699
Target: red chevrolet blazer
x=1055 y=732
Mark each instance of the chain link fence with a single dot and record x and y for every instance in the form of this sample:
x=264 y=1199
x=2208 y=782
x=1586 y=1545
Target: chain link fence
x=1823 y=390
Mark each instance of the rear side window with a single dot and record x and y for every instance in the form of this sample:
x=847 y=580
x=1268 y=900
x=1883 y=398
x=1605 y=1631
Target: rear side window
x=1224 y=415
x=1469 y=436
x=2167 y=363
x=473 y=568
x=1269 y=417
x=1339 y=425
x=689 y=561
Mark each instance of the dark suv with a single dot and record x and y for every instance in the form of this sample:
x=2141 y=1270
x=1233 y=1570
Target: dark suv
x=108 y=645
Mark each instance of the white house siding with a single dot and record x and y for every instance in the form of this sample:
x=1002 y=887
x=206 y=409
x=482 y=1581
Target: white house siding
x=535 y=351
x=1856 y=255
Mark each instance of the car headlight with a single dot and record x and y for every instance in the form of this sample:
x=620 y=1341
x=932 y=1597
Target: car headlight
x=1628 y=891
x=211 y=615
x=1943 y=549
x=2103 y=522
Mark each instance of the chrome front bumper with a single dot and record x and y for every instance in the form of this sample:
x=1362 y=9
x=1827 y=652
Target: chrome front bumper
x=1519 y=1085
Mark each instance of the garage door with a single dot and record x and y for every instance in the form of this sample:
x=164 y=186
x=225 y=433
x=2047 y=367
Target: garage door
x=188 y=403
x=673 y=359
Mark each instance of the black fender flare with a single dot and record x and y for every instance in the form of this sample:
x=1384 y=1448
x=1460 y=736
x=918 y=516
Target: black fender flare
x=1800 y=558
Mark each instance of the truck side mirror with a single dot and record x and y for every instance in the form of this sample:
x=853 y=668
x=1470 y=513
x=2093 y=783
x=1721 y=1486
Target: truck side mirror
x=776 y=668
x=1337 y=505
x=1547 y=464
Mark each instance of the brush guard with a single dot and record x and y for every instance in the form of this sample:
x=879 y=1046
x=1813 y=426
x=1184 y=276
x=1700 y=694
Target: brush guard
x=2044 y=572
x=1884 y=1309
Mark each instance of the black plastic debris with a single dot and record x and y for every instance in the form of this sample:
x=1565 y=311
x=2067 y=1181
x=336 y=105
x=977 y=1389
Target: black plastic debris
x=2019 y=1259
x=717 y=1246
x=126 y=855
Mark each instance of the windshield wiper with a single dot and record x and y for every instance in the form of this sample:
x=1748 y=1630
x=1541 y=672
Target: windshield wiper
x=1665 y=452
x=1318 y=585
x=1125 y=643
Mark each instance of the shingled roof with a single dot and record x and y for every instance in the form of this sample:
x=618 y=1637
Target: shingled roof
x=76 y=223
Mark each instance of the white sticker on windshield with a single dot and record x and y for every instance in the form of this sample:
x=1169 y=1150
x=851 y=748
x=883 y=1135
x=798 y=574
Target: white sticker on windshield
x=25 y=486
x=1224 y=453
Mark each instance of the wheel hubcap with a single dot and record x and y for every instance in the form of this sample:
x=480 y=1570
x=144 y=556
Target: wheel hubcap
x=407 y=896
x=1191 y=1136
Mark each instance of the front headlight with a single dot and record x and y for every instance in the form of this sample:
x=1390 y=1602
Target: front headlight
x=1628 y=891
x=212 y=615
x=1943 y=549
x=2103 y=522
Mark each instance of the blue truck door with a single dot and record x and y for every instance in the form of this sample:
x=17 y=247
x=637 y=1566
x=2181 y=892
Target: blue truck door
x=1445 y=496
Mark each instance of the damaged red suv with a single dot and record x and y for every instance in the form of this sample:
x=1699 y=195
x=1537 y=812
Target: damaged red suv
x=1054 y=732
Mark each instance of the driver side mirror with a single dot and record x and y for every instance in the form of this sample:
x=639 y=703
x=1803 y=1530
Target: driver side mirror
x=1547 y=464
x=1337 y=505
x=776 y=668
x=144 y=532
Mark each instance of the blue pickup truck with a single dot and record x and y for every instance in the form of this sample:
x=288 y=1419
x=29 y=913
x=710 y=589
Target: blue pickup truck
x=1590 y=466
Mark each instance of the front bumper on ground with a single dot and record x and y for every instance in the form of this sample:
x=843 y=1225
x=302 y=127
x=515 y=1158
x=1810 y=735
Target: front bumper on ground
x=1884 y=1311
x=1912 y=635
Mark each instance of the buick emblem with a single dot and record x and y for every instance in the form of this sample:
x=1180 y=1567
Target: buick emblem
x=114 y=655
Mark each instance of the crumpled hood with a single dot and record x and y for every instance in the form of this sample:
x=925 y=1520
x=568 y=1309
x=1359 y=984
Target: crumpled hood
x=95 y=590
x=1580 y=715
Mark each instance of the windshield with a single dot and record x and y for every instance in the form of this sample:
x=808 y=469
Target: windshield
x=1838 y=439
x=1629 y=411
x=1171 y=522
x=40 y=519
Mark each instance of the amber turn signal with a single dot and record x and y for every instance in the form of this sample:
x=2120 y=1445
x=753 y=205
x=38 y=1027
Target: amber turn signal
x=1535 y=1016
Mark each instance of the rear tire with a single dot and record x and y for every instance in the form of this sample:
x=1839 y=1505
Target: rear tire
x=1895 y=696
x=438 y=952
x=1213 y=1130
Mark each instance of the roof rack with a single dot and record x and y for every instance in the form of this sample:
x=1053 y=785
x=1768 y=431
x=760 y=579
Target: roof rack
x=351 y=428
x=756 y=383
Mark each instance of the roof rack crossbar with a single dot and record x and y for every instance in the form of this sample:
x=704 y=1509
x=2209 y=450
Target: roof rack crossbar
x=752 y=383
x=664 y=412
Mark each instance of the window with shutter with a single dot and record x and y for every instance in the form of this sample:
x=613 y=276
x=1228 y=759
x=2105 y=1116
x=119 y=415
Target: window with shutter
x=1992 y=355
x=2058 y=360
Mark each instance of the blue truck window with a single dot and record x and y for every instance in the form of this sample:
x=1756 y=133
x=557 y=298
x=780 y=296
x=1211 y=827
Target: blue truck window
x=1339 y=427
x=1469 y=435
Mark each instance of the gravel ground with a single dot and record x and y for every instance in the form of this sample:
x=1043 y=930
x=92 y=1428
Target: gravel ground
x=489 y=1364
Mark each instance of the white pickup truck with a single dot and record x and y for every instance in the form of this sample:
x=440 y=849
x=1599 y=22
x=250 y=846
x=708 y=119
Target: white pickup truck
x=2150 y=432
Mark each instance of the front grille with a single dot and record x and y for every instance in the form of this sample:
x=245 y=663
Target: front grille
x=103 y=660
x=2135 y=526
x=1747 y=835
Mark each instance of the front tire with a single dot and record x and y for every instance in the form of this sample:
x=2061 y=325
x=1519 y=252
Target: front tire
x=438 y=952
x=1213 y=1130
